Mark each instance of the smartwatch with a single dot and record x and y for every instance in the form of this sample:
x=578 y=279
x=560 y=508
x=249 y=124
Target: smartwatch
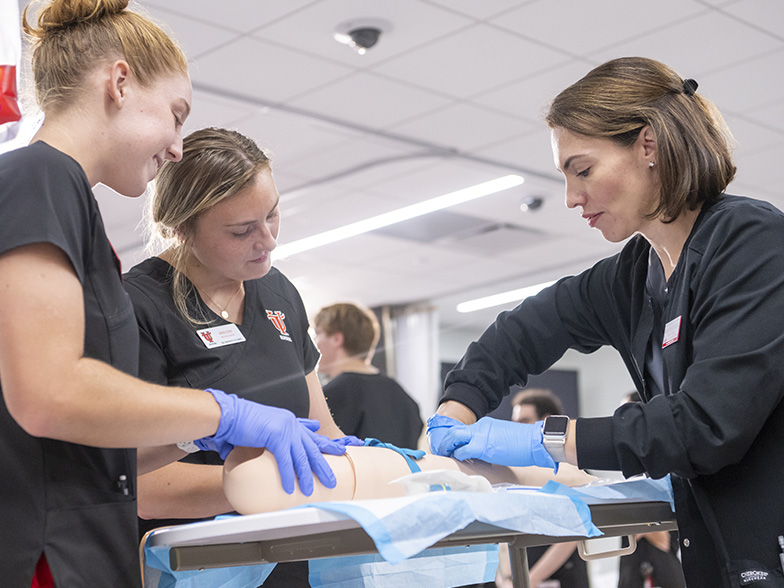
x=554 y=432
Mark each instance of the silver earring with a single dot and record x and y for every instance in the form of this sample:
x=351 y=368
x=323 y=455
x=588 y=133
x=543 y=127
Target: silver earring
x=651 y=164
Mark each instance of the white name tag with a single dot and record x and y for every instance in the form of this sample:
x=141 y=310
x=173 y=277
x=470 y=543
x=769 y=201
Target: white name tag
x=672 y=331
x=227 y=334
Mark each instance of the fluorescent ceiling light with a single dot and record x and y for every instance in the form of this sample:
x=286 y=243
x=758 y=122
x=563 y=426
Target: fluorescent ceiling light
x=503 y=298
x=399 y=215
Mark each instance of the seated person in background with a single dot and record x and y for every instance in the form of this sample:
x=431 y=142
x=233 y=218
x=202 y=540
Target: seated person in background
x=251 y=481
x=364 y=402
x=656 y=557
x=546 y=562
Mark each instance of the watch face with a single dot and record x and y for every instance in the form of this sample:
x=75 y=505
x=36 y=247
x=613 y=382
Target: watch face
x=556 y=425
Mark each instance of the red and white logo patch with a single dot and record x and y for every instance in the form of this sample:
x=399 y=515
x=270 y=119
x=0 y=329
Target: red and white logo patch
x=276 y=317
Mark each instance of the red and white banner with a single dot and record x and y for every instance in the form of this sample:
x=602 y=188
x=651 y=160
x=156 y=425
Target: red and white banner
x=10 y=52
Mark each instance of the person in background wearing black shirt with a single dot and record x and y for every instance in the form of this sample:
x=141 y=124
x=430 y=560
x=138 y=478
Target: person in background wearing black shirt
x=363 y=401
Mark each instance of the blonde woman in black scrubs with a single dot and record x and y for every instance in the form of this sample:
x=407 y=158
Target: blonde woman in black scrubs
x=115 y=91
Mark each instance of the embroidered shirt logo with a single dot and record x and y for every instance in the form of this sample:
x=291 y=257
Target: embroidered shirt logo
x=750 y=576
x=276 y=317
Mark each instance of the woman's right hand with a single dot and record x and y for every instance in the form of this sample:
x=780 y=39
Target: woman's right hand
x=249 y=424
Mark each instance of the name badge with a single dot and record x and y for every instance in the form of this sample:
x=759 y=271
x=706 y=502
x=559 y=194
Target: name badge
x=672 y=331
x=227 y=334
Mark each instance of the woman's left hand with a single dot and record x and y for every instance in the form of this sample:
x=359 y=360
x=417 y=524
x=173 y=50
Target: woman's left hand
x=325 y=444
x=498 y=441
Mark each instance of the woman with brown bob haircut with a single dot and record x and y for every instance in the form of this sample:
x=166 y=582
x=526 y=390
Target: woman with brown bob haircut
x=692 y=303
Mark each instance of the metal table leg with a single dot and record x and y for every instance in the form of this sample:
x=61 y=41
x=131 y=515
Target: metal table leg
x=518 y=560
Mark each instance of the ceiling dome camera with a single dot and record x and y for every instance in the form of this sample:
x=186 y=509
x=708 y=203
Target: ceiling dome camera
x=361 y=34
x=531 y=203
x=364 y=38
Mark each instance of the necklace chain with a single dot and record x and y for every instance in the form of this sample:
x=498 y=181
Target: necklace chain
x=223 y=312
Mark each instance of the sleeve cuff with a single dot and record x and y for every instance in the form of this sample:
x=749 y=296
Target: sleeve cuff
x=467 y=395
x=595 y=448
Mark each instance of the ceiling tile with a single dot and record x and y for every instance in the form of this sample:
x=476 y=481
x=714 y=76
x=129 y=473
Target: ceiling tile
x=412 y=23
x=238 y=15
x=471 y=61
x=214 y=111
x=752 y=136
x=482 y=10
x=530 y=97
x=531 y=151
x=438 y=177
x=274 y=74
x=292 y=139
x=767 y=15
x=579 y=27
x=447 y=127
x=370 y=100
x=196 y=37
x=745 y=87
x=676 y=45
x=356 y=162
x=763 y=168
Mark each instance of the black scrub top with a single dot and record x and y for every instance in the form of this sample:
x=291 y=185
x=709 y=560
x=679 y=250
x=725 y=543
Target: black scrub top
x=268 y=367
x=77 y=503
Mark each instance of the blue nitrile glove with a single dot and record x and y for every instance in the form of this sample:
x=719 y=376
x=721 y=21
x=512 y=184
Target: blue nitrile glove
x=497 y=441
x=249 y=424
x=350 y=441
x=437 y=428
x=325 y=444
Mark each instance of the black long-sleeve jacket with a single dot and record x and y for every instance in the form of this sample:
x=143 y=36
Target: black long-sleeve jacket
x=720 y=432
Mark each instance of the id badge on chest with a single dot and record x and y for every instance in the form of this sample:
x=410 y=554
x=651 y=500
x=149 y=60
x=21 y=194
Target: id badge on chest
x=672 y=332
x=219 y=336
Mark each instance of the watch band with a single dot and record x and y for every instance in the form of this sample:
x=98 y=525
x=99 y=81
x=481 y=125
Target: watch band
x=188 y=446
x=554 y=431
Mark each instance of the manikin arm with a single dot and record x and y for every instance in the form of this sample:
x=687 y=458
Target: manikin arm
x=252 y=484
x=186 y=490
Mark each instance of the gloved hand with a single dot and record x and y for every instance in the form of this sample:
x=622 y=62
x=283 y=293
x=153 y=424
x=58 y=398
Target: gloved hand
x=497 y=441
x=325 y=444
x=249 y=424
x=437 y=428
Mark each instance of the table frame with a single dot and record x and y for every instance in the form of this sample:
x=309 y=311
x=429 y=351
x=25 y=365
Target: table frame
x=310 y=533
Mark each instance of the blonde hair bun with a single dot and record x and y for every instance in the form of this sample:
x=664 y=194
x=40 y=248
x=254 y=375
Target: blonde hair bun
x=59 y=14
x=73 y=37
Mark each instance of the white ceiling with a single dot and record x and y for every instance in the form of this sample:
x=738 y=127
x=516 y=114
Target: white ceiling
x=452 y=95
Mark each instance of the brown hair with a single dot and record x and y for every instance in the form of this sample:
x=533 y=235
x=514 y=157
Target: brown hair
x=543 y=400
x=216 y=164
x=358 y=325
x=617 y=99
x=74 y=36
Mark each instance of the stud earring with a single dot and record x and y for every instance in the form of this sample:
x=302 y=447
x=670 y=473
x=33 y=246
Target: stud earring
x=651 y=164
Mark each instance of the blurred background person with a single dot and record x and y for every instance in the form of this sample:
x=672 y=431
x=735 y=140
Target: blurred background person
x=364 y=402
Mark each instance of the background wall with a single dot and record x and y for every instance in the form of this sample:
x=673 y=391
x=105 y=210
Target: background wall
x=602 y=378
